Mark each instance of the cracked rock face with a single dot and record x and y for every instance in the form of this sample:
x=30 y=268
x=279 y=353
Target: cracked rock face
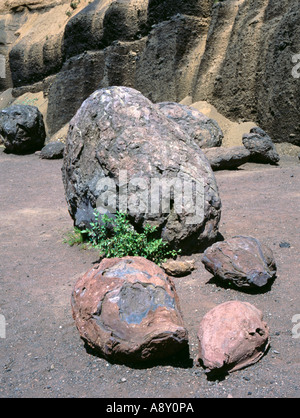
x=243 y=261
x=232 y=336
x=127 y=309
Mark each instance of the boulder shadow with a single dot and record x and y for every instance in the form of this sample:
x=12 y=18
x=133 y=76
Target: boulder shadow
x=251 y=290
x=181 y=359
x=24 y=152
x=223 y=372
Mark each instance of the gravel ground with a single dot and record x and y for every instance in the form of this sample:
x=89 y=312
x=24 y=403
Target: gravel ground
x=42 y=354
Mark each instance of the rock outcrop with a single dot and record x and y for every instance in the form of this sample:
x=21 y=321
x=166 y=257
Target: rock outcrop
x=242 y=56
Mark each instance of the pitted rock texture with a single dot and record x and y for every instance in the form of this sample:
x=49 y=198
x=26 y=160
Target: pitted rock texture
x=232 y=336
x=22 y=128
x=227 y=158
x=127 y=309
x=119 y=149
x=203 y=130
x=242 y=56
x=261 y=147
x=178 y=268
x=243 y=261
x=53 y=151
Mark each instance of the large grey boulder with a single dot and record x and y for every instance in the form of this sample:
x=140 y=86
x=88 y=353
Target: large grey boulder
x=123 y=154
x=261 y=147
x=22 y=128
x=202 y=129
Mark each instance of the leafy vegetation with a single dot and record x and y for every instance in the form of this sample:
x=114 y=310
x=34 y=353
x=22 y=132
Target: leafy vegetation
x=74 y=4
x=116 y=237
x=74 y=238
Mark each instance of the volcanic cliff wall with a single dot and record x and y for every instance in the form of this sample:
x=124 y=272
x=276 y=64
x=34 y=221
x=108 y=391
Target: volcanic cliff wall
x=239 y=55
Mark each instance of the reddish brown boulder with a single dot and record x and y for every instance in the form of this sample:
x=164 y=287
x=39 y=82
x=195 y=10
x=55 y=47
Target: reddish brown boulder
x=127 y=309
x=243 y=261
x=232 y=336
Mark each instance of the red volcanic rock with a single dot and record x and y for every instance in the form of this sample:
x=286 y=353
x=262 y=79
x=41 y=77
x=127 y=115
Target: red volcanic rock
x=232 y=336
x=127 y=309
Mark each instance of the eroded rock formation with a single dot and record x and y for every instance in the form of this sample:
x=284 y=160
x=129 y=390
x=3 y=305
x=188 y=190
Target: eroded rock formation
x=239 y=55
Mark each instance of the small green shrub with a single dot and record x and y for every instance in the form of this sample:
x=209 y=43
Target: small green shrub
x=74 y=238
x=117 y=238
x=74 y=4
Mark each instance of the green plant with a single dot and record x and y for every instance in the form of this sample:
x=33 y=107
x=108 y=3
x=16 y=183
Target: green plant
x=74 y=4
x=117 y=238
x=74 y=237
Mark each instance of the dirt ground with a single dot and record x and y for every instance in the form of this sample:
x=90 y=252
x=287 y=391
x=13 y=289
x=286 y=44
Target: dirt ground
x=43 y=355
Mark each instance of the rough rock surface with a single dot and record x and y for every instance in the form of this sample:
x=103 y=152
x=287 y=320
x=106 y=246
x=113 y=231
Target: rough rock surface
x=243 y=261
x=221 y=158
x=119 y=143
x=261 y=147
x=242 y=56
x=258 y=43
x=232 y=336
x=82 y=74
x=178 y=268
x=203 y=130
x=53 y=150
x=22 y=128
x=127 y=309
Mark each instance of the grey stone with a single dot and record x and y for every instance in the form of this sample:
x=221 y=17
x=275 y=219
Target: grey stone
x=261 y=147
x=119 y=129
x=202 y=129
x=53 y=150
x=22 y=128
x=243 y=261
x=222 y=158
